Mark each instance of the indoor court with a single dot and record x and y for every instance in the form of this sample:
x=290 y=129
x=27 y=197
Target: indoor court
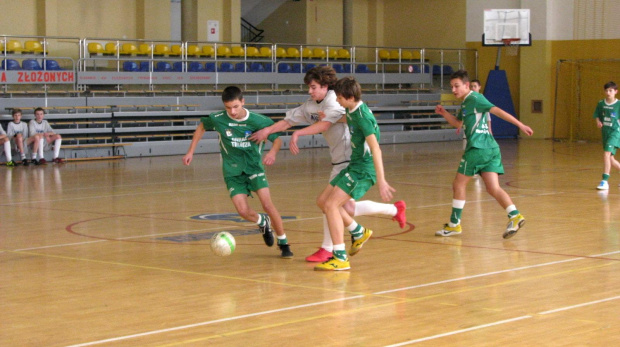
x=105 y=253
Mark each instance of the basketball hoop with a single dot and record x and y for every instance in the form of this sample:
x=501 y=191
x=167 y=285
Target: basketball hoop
x=512 y=46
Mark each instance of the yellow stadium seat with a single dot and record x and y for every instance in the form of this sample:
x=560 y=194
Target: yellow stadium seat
x=237 y=51
x=223 y=51
x=111 y=48
x=384 y=54
x=193 y=51
x=33 y=47
x=332 y=53
x=95 y=48
x=208 y=51
x=416 y=55
x=145 y=49
x=14 y=46
x=161 y=49
x=394 y=55
x=265 y=52
x=292 y=52
x=281 y=53
x=306 y=53
x=406 y=55
x=252 y=52
x=128 y=49
x=344 y=54
x=176 y=50
x=319 y=53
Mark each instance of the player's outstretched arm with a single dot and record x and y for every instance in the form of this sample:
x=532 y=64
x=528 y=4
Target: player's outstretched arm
x=200 y=131
x=270 y=157
x=385 y=189
x=511 y=119
x=261 y=135
x=448 y=116
x=315 y=128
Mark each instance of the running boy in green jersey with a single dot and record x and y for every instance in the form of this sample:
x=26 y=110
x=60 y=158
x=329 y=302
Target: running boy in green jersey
x=242 y=164
x=482 y=154
x=364 y=170
x=607 y=115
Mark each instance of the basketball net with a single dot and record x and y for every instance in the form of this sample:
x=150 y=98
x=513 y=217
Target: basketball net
x=511 y=46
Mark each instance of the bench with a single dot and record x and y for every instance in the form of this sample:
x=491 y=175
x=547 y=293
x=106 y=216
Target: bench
x=86 y=146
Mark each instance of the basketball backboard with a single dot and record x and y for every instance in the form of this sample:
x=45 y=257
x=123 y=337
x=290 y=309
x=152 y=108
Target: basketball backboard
x=501 y=24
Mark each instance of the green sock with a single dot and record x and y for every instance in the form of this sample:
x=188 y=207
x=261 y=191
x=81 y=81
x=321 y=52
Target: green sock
x=357 y=232
x=513 y=213
x=605 y=177
x=282 y=241
x=455 y=217
x=341 y=255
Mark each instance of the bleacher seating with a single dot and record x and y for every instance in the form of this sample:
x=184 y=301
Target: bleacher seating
x=332 y=53
x=52 y=65
x=226 y=67
x=163 y=66
x=237 y=51
x=130 y=66
x=292 y=52
x=145 y=66
x=344 y=54
x=265 y=52
x=384 y=54
x=306 y=53
x=338 y=68
x=268 y=67
x=208 y=51
x=193 y=51
x=31 y=64
x=257 y=67
x=319 y=53
x=223 y=51
x=111 y=48
x=252 y=52
x=210 y=67
x=240 y=67
x=34 y=47
x=195 y=66
x=281 y=53
x=362 y=68
x=346 y=68
x=95 y=48
x=14 y=46
x=284 y=68
x=177 y=66
x=296 y=68
x=161 y=50
x=308 y=67
x=128 y=49
x=10 y=64
x=145 y=49
x=175 y=51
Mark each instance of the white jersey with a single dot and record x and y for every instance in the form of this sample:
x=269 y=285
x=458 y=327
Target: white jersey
x=2 y=130
x=39 y=128
x=337 y=136
x=17 y=128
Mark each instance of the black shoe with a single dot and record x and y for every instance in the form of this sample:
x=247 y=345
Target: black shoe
x=286 y=251
x=36 y=162
x=266 y=231
x=25 y=162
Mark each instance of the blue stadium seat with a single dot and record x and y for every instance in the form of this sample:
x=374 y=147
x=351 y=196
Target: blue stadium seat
x=346 y=68
x=130 y=66
x=296 y=68
x=177 y=66
x=284 y=68
x=338 y=68
x=51 y=64
x=268 y=67
x=416 y=69
x=31 y=64
x=309 y=66
x=447 y=70
x=436 y=70
x=362 y=68
x=163 y=66
x=226 y=67
x=240 y=67
x=210 y=67
x=257 y=67
x=145 y=66
x=10 y=64
x=195 y=66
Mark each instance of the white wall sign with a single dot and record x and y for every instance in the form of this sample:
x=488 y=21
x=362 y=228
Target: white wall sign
x=213 y=30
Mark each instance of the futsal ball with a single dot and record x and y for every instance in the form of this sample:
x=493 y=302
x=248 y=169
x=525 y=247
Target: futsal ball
x=223 y=244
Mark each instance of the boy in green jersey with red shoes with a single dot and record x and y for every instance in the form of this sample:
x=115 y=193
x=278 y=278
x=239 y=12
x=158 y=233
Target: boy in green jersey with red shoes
x=364 y=170
x=607 y=116
x=243 y=163
x=482 y=155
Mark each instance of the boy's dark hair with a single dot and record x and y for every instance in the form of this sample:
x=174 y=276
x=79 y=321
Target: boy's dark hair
x=39 y=109
x=323 y=75
x=348 y=88
x=475 y=81
x=611 y=84
x=16 y=111
x=232 y=93
x=460 y=74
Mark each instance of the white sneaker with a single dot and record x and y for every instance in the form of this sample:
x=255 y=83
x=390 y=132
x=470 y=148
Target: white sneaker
x=603 y=185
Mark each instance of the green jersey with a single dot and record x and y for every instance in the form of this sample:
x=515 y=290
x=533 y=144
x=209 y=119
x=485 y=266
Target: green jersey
x=474 y=113
x=362 y=123
x=239 y=154
x=608 y=114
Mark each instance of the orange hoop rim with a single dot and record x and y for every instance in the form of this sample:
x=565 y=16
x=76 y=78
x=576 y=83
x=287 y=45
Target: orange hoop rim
x=508 y=42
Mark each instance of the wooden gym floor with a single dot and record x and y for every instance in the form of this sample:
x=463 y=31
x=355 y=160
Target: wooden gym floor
x=106 y=254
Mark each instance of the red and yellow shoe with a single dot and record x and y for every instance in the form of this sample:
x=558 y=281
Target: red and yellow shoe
x=401 y=214
x=320 y=256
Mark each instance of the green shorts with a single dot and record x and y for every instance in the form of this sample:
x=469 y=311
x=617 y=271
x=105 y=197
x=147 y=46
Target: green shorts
x=354 y=183
x=611 y=142
x=477 y=160
x=244 y=183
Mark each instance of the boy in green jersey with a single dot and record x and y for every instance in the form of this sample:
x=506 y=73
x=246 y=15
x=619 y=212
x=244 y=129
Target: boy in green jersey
x=482 y=155
x=607 y=119
x=364 y=170
x=243 y=163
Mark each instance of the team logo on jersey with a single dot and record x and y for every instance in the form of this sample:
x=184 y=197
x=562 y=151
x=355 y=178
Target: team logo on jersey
x=613 y=114
x=229 y=133
x=314 y=117
x=248 y=133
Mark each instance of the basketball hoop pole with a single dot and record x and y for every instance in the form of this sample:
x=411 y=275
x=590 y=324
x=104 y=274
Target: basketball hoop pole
x=499 y=53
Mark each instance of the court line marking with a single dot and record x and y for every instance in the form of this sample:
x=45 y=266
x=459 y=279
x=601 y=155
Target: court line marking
x=580 y=305
x=154 y=332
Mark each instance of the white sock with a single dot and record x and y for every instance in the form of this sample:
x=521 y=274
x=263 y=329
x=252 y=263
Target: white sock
x=327 y=245
x=366 y=207
x=57 y=144
x=7 y=151
x=281 y=237
x=41 y=146
x=352 y=226
x=260 y=219
x=23 y=155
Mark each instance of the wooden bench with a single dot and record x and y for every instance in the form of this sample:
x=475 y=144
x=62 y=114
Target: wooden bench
x=96 y=145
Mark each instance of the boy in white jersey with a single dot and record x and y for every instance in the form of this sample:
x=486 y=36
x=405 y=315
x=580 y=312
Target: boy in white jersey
x=18 y=133
x=365 y=169
x=6 y=142
x=607 y=114
x=242 y=165
x=482 y=154
x=40 y=126
x=323 y=112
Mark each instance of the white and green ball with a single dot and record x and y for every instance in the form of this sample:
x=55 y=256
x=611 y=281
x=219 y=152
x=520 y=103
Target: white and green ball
x=223 y=244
